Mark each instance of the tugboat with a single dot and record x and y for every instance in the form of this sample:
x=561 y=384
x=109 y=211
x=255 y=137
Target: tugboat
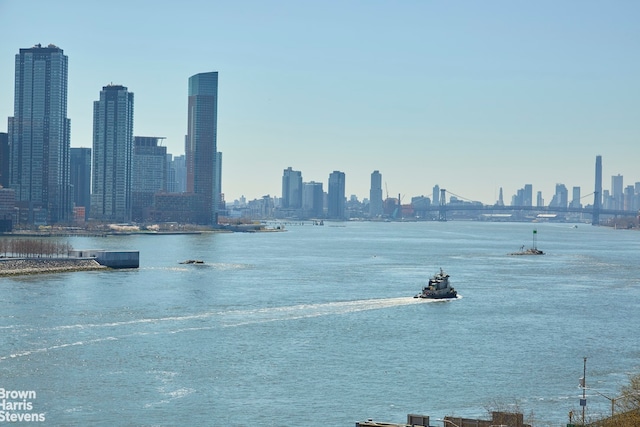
x=438 y=288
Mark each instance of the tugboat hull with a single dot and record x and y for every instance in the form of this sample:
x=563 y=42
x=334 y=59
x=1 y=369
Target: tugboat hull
x=448 y=295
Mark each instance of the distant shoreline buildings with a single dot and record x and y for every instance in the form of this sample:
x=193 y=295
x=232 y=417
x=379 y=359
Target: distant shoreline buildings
x=125 y=178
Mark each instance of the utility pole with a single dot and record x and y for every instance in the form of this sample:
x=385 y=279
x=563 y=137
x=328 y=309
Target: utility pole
x=583 y=384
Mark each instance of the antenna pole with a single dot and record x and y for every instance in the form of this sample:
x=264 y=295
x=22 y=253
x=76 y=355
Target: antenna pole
x=584 y=389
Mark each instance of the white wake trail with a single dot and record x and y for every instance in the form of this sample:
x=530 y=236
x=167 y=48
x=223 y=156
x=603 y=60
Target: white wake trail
x=231 y=318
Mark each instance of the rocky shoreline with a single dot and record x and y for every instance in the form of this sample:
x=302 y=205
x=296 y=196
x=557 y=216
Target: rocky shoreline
x=21 y=266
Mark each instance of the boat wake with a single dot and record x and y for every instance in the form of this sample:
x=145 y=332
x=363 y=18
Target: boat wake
x=303 y=311
x=213 y=320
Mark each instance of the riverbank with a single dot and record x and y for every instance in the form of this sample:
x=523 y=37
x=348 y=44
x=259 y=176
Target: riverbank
x=23 y=266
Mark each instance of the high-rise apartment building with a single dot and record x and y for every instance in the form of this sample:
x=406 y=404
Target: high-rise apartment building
x=149 y=174
x=561 y=197
x=81 y=178
x=39 y=134
x=217 y=190
x=4 y=160
x=172 y=182
x=527 y=195
x=177 y=176
x=436 y=195
x=112 y=155
x=312 y=199
x=575 y=200
x=375 y=194
x=629 y=195
x=617 y=191
x=335 y=199
x=201 y=152
x=291 y=189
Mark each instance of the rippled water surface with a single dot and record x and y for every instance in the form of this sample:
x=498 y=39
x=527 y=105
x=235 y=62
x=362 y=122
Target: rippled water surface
x=317 y=326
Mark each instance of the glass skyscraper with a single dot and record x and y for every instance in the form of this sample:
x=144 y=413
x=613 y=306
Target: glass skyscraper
x=203 y=170
x=112 y=155
x=312 y=199
x=375 y=194
x=39 y=134
x=291 y=189
x=335 y=199
x=149 y=174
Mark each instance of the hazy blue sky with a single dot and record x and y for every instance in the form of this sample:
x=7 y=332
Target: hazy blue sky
x=469 y=95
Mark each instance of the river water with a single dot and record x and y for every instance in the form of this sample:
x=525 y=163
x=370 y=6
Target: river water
x=317 y=326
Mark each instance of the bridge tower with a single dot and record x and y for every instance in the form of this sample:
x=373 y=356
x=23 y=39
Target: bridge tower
x=442 y=212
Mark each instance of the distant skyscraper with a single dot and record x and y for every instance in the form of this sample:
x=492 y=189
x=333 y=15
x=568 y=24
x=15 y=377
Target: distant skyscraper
x=178 y=175
x=336 y=200
x=149 y=174
x=312 y=199
x=201 y=144
x=4 y=160
x=436 y=195
x=561 y=197
x=617 y=191
x=518 y=198
x=500 y=201
x=112 y=155
x=597 y=195
x=291 y=189
x=628 y=202
x=171 y=174
x=218 y=184
x=39 y=134
x=375 y=194
x=527 y=195
x=575 y=200
x=81 y=178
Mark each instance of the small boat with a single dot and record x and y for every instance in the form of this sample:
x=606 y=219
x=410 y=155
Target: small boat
x=192 y=261
x=438 y=288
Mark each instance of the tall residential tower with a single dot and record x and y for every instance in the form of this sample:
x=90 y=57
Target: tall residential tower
x=291 y=189
x=39 y=134
x=335 y=198
x=112 y=155
x=375 y=194
x=149 y=174
x=203 y=170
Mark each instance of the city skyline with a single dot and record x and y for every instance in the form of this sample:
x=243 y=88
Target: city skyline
x=471 y=97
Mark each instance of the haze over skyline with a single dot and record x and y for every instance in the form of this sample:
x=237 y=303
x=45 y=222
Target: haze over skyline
x=472 y=96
